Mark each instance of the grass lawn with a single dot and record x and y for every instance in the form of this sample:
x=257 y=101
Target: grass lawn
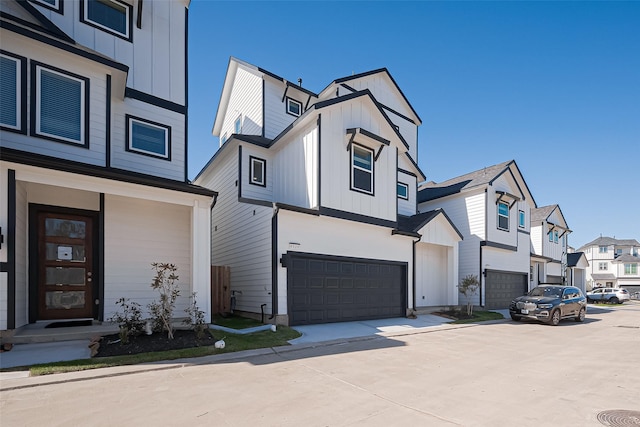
x=235 y=322
x=233 y=343
x=478 y=316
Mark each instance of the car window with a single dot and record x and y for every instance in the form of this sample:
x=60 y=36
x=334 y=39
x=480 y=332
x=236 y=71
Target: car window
x=544 y=291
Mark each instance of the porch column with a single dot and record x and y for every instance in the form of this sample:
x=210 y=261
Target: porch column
x=201 y=255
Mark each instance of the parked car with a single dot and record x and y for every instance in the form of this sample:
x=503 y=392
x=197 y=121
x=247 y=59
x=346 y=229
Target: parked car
x=612 y=295
x=550 y=304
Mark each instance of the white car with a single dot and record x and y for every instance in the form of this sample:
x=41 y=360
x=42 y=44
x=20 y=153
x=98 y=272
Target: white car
x=611 y=295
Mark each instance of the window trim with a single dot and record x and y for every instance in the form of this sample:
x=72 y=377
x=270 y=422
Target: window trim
x=353 y=167
x=521 y=219
x=603 y=249
x=499 y=215
x=550 y=233
x=237 y=125
x=402 y=184
x=21 y=94
x=36 y=68
x=252 y=161
x=288 y=102
x=84 y=10
x=633 y=269
x=555 y=237
x=58 y=7
x=603 y=266
x=129 y=120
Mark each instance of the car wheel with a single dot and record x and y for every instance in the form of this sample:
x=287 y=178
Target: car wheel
x=581 y=315
x=515 y=317
x=554 y=320
x=614 y=300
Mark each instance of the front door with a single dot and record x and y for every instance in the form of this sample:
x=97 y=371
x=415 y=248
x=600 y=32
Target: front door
x=65 y=248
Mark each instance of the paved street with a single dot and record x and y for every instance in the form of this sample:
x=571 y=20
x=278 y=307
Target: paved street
x=499 y=374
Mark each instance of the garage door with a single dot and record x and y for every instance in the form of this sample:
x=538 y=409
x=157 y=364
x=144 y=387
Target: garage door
x=323 y=289
x=502 y=287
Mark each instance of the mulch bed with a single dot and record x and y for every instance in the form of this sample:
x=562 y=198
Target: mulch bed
x=453 y=314
x=154 y=342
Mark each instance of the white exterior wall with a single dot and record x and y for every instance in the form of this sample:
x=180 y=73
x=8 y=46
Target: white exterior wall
x=537 y=237
x=240 y=235
x=408 y=207
x=250 y=190
x=245 y=102
x=295 y=167
x=275 y=108
x=156 y=55
x=298 y=232
x=138 y=233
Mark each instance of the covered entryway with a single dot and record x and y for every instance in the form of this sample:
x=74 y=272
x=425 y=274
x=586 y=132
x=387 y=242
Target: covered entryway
x=434 y=275
x=502 y=287
x=324 y=289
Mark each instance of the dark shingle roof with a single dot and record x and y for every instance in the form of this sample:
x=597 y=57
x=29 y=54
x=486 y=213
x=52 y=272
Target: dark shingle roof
x=607 y=241
x=603 y=276
x=413 y=224
x=626 y=258
x=573 y=258
x=541 y=214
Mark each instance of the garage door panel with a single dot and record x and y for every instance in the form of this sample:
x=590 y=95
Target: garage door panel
x=360 y=290
x=502 y=287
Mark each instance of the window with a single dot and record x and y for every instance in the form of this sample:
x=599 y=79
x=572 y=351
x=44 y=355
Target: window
x=55 y=5
x=551 y=236
x=361 y=169
x=294 y=107
x=602 y=266
x=618 y=252
x=112 y=16
x=149 y=138
x=403 y=191
x=223 y=139
x=503 y=216
x=631 y=269
x=12 y=88
x=521 y=219
x=258 y=172
x=555 y=236
x=237 y=126
x=61 y=105
x=602 y=249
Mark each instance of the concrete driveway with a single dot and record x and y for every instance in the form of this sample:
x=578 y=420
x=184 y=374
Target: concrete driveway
x=497 y=374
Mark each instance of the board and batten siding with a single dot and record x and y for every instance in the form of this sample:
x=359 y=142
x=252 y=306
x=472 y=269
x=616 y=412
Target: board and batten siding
x=137 y=233
x=245 y=102
x=407 y=207
x=336 y=162
x=156 y=57
x=254 y=191
x=296 y=170
x=240 y=235
x=538 y=235
x=275 y=113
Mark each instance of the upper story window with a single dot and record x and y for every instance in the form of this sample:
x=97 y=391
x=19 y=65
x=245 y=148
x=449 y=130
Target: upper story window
x=258 y=171
x=149 y=138
x=503 y=216
x=361 y=169
x=61 y=105
x=294 y=107
x=631 y=269
x=618 y=252
x=555 y=236
x=403 y=191
x=602 y=266
x=237 y=126
x=55 y=5
x=521 y=219
x=11 y=90
x=112 y=16
x=603 y=249
x=551 y=236
x=223 y=139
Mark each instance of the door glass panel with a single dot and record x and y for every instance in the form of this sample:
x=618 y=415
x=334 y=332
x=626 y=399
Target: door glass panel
x=58 y=252
x=65 y=228
x=69 y=276
x=64 y=300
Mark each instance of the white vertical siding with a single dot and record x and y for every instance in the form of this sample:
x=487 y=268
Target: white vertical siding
x=22 y=285
x=253 y=191
x=245 y=102
x=538 y=235
x=432 y=275
x=408 y=207
x=240 y=236
x=296 y=170
x=275 y=113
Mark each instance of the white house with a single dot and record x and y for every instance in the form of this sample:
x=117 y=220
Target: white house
x=93 y=169
x=613 y=263
x=577 y=265
x=316 y=214
x=549 y=236
x=491 y=207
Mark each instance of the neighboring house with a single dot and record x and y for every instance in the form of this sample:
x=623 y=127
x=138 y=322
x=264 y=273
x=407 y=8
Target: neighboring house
x=492 y=209
x=93 y=170
x=613 y=263
x=577 y=265
x=317 y=209
x=549 y=236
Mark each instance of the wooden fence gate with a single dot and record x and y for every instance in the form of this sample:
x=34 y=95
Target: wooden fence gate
x=220 y=289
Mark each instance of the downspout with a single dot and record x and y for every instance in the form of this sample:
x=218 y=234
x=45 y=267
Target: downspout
x=274 y=262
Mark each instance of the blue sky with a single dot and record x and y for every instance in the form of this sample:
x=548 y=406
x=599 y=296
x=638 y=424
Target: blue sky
x=553 y=85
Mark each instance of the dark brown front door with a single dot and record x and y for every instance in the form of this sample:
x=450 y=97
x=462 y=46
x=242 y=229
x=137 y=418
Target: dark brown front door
x=65 y=288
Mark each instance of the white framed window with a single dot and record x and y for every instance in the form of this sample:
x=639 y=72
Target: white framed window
x=237 y=126
x=603 y=249
x=361 y=169
x=551 y=236
x=257 y=171
x=603 y=266
x=555 y=236
x=112 y=16
x=294 y=107
x=12 y=88
x=403 y=191
x=631 y=269
x=223 y=139
x=61 y=105
x=55 y=5
x=521 y=219
x=503 y=216
x=148 y=138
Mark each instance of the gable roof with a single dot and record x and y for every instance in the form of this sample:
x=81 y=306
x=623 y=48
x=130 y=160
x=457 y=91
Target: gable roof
x=608 y=241
x=24 y=13
x=574 y=257
x=626 y=258
x=412 y=224
x=485 y=176
x=541 y=214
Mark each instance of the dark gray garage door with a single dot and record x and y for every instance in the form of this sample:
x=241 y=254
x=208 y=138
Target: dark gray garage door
x=502 y=287
x=323 y=289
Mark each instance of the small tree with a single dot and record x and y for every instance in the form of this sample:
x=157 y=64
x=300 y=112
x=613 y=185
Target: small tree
x=196 y=318
x=469 y=287
x=165 y=283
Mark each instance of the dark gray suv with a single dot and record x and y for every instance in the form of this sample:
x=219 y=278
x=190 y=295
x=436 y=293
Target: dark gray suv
x=550 y=304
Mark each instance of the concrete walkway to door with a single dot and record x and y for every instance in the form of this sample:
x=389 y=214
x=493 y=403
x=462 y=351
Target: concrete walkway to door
x=364 y=328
